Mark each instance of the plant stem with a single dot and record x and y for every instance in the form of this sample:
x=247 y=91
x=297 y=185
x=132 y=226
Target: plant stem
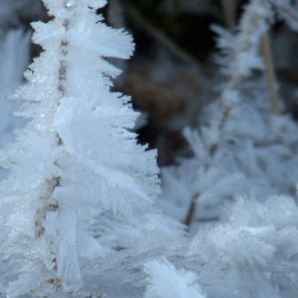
x=191 y=210
x=229 y=9
x=270 y=74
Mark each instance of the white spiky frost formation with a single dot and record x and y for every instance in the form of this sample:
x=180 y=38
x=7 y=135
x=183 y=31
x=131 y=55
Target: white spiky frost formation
x=253 y=254
x=76 y=160
x=166 y=281
x=241 y=147
x=14 y=50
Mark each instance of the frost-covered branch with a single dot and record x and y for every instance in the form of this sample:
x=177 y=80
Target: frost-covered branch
x=287 y=11
x=80 y=188
x=240 y=144
x=241 y=55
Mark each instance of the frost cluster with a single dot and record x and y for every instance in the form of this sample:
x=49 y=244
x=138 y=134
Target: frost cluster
x=166 y=281
x=77 y=211
x=14 y=48
x=240 y=147
x=76 y=201
x=253 y=254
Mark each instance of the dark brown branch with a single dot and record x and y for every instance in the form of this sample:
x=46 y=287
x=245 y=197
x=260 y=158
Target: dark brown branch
x=191 y=210
x=158 y=35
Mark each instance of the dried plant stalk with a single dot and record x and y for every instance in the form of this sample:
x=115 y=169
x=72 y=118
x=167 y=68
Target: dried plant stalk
x=270 y=74
x=229 y=9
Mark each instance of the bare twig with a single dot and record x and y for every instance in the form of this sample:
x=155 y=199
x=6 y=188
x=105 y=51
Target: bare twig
x=158 y=35
x=229 y=9
x=191 y=210
x=270 y=74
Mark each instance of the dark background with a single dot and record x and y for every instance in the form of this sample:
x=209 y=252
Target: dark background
x=173 y=72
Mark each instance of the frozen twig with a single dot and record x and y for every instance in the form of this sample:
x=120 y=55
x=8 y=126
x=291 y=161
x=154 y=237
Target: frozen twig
x=243 y=58
x=229 y=9
x=166 y=41
x=270 y=74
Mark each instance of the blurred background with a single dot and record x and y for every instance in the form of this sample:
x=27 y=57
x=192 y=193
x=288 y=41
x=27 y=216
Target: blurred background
x=173 y=72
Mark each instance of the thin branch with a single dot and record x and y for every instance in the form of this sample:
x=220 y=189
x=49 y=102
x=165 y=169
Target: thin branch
x=270 y=74
x=162 y=38
x=229 y=9
x=191 y=210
